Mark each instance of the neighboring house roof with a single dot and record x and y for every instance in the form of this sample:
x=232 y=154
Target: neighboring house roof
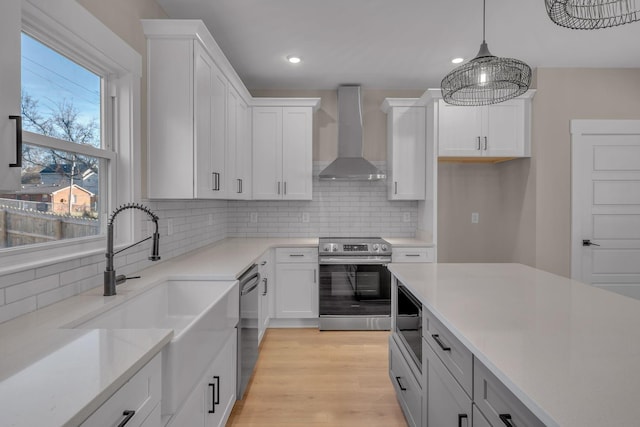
x=65 y=168
x=76 y=187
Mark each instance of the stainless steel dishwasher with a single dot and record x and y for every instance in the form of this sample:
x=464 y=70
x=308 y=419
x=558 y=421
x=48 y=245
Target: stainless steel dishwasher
x=247 y=327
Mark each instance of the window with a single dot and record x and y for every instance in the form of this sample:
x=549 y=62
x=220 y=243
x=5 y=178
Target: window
x=80 y=109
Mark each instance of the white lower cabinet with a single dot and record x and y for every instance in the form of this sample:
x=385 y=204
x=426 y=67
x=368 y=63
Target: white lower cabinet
x=136 y=403
x=478 y=419
x=211 y=401
x=412 y=254
x=446 y=402
x=266 y=269
x=297 y=283
x=408 y=389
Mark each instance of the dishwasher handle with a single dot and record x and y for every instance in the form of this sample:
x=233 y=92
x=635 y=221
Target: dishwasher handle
x=250 y=284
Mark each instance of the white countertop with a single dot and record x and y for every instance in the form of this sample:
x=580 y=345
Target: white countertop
x=54 y=376
x=568 y=351
x=408 y=242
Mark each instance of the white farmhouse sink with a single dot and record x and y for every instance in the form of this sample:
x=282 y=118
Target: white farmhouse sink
x=202 y=314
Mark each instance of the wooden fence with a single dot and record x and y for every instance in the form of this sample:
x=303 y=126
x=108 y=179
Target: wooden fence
x=25 y=227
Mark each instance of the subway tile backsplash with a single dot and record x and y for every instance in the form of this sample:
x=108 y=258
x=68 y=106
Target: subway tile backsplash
x=345 y=208
x=338 y=208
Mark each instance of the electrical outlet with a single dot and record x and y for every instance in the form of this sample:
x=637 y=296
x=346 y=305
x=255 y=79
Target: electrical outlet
x=475 y=217
x=210 y=219
x=169 y=227
x=254 y=217
x=406 y=217
x=305 y=216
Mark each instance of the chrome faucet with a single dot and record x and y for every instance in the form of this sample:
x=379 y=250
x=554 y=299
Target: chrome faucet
x=110 y=278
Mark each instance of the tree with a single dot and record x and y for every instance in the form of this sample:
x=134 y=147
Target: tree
x=62 y=122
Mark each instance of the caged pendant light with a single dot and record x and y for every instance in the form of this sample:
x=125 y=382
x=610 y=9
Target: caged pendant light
x=486 y=79
x=593 y=14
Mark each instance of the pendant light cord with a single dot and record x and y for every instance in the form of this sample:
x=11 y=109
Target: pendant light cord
x=484 y=19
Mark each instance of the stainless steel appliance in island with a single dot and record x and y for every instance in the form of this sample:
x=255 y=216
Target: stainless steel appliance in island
x=355 y=285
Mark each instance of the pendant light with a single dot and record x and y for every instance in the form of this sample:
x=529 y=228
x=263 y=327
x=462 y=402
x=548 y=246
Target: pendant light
x=593 y=14
x=486 y=79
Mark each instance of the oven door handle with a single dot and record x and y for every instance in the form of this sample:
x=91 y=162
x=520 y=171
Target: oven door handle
x=360 y=261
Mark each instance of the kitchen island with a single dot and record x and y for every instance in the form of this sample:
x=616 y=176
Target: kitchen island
x=566 y=350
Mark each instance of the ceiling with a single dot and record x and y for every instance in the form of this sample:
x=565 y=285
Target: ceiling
x=392 y=44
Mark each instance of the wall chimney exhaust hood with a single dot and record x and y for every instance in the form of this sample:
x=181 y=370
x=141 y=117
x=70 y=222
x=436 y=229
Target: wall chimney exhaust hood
x=350 y=164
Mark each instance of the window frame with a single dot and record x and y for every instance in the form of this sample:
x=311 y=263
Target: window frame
x=71 y=30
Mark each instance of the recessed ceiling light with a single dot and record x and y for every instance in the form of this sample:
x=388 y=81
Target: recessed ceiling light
x=457 y=60
x=294 y=59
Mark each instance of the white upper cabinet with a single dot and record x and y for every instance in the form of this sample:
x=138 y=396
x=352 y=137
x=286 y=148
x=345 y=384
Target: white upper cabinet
x=10 y=25
x=239 y=147
x=282 y=149
x=406 y=149
x=200 y=124
x=494 y=132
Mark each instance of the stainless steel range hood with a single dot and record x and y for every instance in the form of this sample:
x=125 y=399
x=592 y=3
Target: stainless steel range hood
x=350 y=165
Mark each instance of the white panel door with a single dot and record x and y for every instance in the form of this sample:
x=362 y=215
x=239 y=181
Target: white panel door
x=203 y=110
x=219 y=133
x=296 y=291
x=459 y=130
x=503 y=133
x=10 y=25
x=267 y=153
x=297 y=153
x=606 y=204
x=408 y=153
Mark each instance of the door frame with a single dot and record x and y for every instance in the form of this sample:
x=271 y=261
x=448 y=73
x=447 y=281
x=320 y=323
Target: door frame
x=580 y=129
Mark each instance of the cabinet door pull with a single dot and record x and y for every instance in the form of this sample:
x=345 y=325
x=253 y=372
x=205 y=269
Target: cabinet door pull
x=396 y=187
x=18 y=163
x=263 y=263
x=264 y=293
x=239 y=181
x=506 y=419
x=278 y=187
x=436 y=337
x=478 y=143
x=285 y=188
x=315 y=273
x=485 y=143
x=463 y=417
x=403 y=388
x=213 y=398
x=128 y=414
x=217 y=399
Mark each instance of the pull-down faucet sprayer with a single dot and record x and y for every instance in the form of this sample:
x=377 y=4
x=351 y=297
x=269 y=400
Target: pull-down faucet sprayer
x=110 y=278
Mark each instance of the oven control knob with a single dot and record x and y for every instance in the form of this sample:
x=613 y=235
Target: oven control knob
x=384 y=248
x=335 y=248
x=376 y=247
x=327 y=248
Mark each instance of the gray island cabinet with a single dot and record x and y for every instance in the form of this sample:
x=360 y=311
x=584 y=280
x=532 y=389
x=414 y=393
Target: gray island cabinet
x=508 y=345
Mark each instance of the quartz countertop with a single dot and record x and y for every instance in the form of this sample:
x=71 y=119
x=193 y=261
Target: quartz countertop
x=54 y=376
x=567 y=350
x=408 y=242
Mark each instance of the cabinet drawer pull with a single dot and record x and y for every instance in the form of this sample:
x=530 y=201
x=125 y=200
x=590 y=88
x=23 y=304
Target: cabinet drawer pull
x=463 y=417
x=478 y=143
x=18 y=163
x=436 y=337
x=403 y=388
x=485 y=143
x=296 y=255
x=506 y=419
x=128 y=414
x=264 y=293
x=414 y=255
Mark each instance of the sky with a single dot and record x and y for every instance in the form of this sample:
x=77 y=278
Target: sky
x=52 y=78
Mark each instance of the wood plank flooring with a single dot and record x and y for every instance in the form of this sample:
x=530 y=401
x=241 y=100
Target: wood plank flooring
x=305 y=377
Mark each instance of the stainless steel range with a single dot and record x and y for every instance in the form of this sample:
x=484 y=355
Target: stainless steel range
x=355 y=285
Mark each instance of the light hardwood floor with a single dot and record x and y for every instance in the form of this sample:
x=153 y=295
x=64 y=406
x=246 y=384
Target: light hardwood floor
x=305 y=377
